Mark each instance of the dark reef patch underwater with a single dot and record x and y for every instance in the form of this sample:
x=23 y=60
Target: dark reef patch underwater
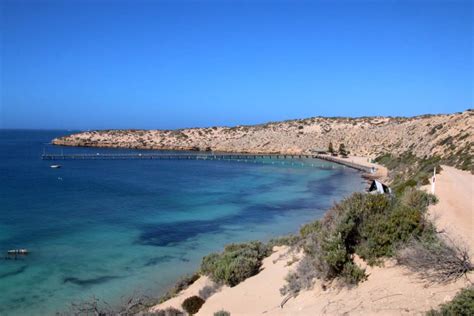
x=111 y=228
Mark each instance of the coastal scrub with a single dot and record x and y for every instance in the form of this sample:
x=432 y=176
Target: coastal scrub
x=370 y=226
x=236 y=263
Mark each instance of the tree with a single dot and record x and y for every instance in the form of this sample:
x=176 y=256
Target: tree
x=342 y=150
x=330 y=148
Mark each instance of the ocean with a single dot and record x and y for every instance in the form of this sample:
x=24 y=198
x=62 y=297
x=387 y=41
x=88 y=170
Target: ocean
x=110 y=229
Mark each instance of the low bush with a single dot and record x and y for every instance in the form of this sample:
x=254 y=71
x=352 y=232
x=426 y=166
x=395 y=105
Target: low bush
x=461 y=305
x=208 y=291
x=222 y=313
x=440 y=260
x=236 y=263
x=301 y=279
x=310 y=228
x=418 y=199
x=352 y=274
x=288 y=240
x=192 y=304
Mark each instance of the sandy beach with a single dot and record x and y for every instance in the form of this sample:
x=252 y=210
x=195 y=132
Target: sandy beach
x=389 y=290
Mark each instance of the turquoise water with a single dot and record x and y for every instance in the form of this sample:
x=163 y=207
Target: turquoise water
x=113 y=228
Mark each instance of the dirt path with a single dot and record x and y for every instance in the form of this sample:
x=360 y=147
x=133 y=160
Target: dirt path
x=455 y=210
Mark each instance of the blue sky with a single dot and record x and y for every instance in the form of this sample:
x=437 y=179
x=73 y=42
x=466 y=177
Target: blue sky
x=170 y=64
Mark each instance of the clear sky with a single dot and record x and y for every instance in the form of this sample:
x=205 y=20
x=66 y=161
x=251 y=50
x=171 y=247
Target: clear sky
x=168 y=64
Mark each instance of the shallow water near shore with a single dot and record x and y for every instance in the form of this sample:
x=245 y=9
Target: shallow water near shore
x=113 y=228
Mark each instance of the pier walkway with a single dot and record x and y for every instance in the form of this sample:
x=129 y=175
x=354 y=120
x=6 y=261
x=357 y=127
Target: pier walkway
x=198 y=156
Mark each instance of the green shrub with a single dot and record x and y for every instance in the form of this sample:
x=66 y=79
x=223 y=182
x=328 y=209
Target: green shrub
x=192 y=304
x=332 y=241
x=352 y=274
x=222 y=313
x=310 y=228
x=461 y=305
x=400 y=187
x=370 y=225
x=418 y=199
x=383 y=233
x=236 y=263
x=288 y=240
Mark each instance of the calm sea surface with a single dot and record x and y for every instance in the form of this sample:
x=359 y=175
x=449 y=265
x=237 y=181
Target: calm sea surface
x=112 y=228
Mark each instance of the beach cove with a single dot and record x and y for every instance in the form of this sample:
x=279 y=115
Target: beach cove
x=112 y=228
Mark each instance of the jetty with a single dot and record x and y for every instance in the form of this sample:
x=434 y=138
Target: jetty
x=199 y=156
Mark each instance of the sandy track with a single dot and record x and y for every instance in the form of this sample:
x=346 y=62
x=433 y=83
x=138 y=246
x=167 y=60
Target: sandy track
x=455 y=210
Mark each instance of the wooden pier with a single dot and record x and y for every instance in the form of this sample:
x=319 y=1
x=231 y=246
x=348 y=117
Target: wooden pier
x=174 y=156
x=196 y=156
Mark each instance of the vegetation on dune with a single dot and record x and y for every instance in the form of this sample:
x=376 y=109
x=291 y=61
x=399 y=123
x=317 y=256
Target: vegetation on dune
x=288 y=240
x=380 y=226
x=437 y=261
x=461 y=305
x=222 y=313
x=192 y=304
x=371 y=226
x=407 y=170
x=236 y=263
x=209 y=290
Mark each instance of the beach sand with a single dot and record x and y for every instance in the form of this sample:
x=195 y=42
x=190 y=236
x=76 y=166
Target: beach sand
x=389 y=290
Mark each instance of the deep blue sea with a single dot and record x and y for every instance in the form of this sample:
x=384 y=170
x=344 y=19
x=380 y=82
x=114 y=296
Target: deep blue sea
x=112 y=228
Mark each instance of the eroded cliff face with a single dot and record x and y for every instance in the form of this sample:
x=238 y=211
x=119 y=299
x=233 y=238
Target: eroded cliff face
x=441 y=135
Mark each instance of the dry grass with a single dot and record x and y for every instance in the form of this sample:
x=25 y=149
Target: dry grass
x=442 y=261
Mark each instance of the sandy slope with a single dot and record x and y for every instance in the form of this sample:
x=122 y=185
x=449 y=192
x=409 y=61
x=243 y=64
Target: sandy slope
x=389 y=290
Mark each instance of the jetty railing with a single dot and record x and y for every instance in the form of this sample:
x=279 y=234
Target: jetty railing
x=198 y=156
